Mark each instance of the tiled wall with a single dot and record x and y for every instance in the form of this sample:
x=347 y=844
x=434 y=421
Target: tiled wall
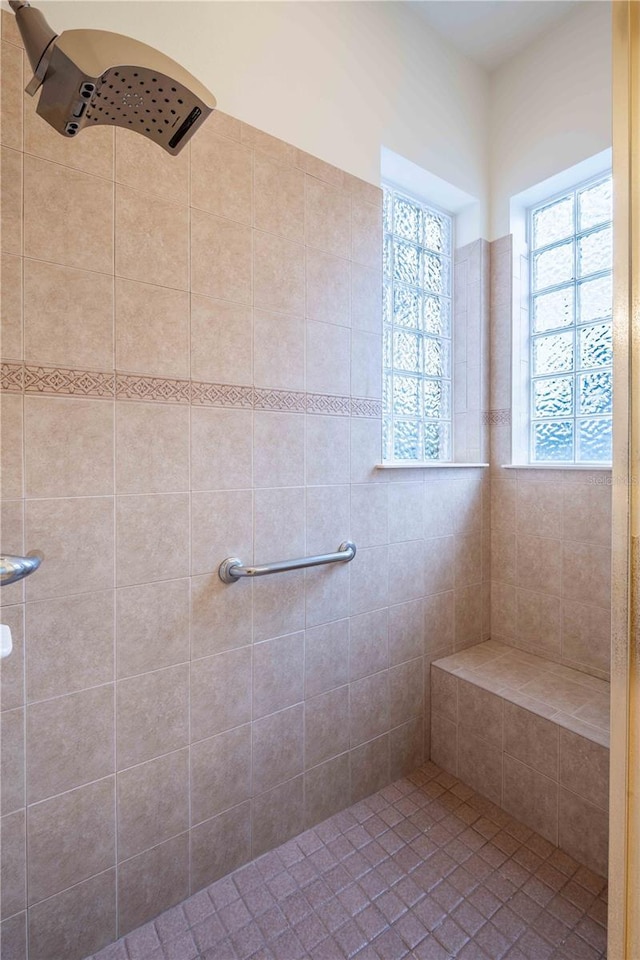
x=191 y=370
x=550 y=530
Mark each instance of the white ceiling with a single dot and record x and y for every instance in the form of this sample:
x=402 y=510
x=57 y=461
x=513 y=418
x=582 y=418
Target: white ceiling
x=491 y=31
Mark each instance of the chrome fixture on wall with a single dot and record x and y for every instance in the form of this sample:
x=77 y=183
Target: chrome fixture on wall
x=93 y=77
x=233 y=569
x=16 y=568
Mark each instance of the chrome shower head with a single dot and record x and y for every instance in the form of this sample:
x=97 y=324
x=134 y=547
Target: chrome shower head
x=92 y=77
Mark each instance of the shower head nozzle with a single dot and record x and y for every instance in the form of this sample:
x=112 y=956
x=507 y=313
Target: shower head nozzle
x=93 y=77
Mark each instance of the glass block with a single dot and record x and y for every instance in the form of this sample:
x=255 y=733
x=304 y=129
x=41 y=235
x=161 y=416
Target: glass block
x=437 y=232
x=554 y=266
x=594 y=440
x=387 y=439
x=407 y=397
x=436 y=357
x=553 y=310
x=387 y=258
x=437 y=399
x=595 y=299
x=407 y=219
x=595 y=345
x=553 y=441
x=387 y=211
x=553 y=353
x=406 y=262
x=595 y=205
x=553 y=222
x=437 y=316
x=595 y=252
x=407 y=306
x=387 y=348
x=387 y=394
x=406 y=440
x=553 y=397
x=595 y=392
x=437 y=272
x=387 y=301
x=407 y=351
x=437 y=441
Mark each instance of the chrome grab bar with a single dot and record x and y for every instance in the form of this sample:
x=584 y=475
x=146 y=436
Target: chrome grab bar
x=232 y=569
x=16 y=568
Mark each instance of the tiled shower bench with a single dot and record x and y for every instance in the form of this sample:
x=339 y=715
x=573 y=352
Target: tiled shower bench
x=531 y=735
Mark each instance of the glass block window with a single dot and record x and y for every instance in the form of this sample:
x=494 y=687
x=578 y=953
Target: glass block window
x=570 y=247
x=417 y=329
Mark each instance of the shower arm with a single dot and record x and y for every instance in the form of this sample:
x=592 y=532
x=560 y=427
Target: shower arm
x=37 y=36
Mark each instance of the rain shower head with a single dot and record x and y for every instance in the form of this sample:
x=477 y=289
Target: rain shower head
x=92 y=77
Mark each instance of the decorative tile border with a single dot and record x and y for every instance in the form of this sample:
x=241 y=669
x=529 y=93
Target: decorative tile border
x=61 y=381
x=496 y=417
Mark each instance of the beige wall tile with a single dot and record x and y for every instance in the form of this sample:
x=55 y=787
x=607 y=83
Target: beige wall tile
x=366 y=300
x=152 y=537
x=13 y=863
x=370 y=514
x=531 y=797
x=279 y=203
x=539 y=564
x=440 y=509
x=326 y=657
x=278 y=449
x=444 y=743
x=327 y=517
x=70 y=838
x=406 y=747
x=479 y=764
x=539 y=508
x=152 y=626
x=406 y=511
x=69 y=742
x=11 y=103
x=152 y=715
x=444 y=694
x=152 y=239
x=141 y=166
x=279 y=524
x=277 y=815
x=368 y=644
x=480 y=711
x=328 y=290
x=11 y=307
x=328 y=368
x=152 y=448
x=326 y=594
x=278 y=351
x=406 y=692
x=11 y=216
x=278 y=274
x=68 y=447
x=91 y=152
x=366 y=451
x=539 y=622
x=406 y=631
x=586 y=634
x=152 y=329
x=220 y=845
x=327 y=214
x=220 y=692
x=221 y=341
x=583 y=831
x=13 y=532
x=439 y=623
x=68 y=316
x=11 y=453
x=153 y=803
x=220 y=618
x=369 y=767
x=221 y=526
x=587 y=512
x=468 y=559
x=84 y=659
x=48 y=235
x=220 y=258
x=221 y=449
x=220 y=773
x=586 y=573
x=368 y=708
x=14 y=930
x=326 y=789
x=278 y=674
x=584 y=768
x=279 y=605
x=558 y=692
x=152 y=882
x=327 y=448
x=277 y=748
x=504 y=609
x=531 y=739
x=12 y=761
x=406 y=570
x=12 y=693
x=326 y=726
x=366 y=234
x=369 y=580
x=366 y=364
x=76 y=537
x=439 y=565
x=265 y=143
x=79 y=920
x=229 y=192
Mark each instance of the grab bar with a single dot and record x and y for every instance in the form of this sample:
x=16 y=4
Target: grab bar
x=232 y=569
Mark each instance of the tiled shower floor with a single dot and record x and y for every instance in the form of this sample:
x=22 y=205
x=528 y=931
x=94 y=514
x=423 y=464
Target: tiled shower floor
x=425 y=868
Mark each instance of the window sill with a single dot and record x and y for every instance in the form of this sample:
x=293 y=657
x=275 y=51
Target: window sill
x=426 y=465
x=586 y=467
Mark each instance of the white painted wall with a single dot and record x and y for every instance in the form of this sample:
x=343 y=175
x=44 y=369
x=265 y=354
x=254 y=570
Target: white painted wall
x=339 y=80
x=550 y=106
